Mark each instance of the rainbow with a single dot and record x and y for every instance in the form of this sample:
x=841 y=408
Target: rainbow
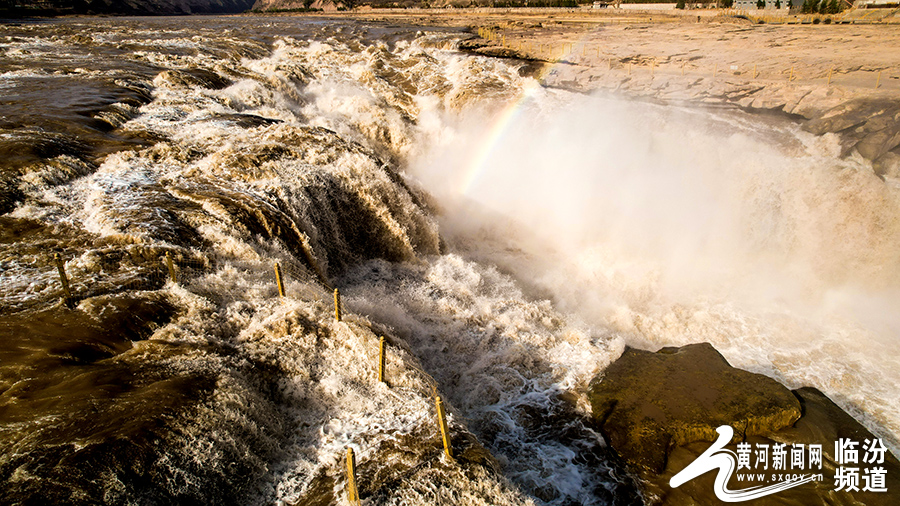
x=478 y=164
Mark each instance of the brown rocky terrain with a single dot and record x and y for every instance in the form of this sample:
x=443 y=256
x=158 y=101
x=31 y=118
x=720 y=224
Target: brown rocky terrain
x=832 y=78
x=659 y=411
x=839 y=78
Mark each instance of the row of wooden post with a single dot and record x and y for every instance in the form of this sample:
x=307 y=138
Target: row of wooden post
x=439 y=404
x=173 y=276
x=69 y=300
x=279 y=280
x=490 y=35
x=352 y=490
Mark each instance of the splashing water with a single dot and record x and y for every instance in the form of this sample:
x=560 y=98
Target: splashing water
x=670 y=225
x=508 y=239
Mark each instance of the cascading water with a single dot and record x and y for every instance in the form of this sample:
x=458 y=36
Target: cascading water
x=509 y=240
x=669 y=225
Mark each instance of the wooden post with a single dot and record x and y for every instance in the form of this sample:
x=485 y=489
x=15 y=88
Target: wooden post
x=337 y=305
x=791 y=77
x=63 y=279
x=754 y=71
x=279 y=280
x=830 y=71
x=445 y=432
x=171 y=267
x=652 y=67
x=682 y=67
x=878 y=81
x=381 y=350
x=352 y=491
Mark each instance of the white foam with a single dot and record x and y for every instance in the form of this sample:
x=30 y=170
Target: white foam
x=584 y=230
x=674 y=226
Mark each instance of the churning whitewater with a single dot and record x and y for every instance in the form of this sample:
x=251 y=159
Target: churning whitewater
x=508 y=240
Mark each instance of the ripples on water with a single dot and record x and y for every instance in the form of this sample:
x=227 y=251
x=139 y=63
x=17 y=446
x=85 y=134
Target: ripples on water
x=232 y=144
x=333 y=148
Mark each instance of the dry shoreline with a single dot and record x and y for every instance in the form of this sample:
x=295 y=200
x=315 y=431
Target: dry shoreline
x=840 y=79
x=832 y=78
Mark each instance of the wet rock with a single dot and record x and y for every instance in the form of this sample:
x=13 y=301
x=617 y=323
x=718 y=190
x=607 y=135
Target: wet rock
x=823 y=422
x=847 y=115
x=657 y=411
x=888 y=165
x=870 y=126
x=646 y=403
x=880 y=139
x=10 y=195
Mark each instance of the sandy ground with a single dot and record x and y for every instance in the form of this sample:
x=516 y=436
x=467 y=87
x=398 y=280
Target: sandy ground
x=699 y=43
x=854 y=55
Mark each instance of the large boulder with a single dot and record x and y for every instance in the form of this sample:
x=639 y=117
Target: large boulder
x=659 y=412
x=871 y=126
x=646 y=403
x=823 y=422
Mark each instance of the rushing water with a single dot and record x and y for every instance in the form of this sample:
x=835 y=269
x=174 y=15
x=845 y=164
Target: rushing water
x=508 y=240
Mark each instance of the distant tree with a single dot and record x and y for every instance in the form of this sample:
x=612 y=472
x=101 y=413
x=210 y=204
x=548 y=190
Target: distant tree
x=777 y=4
x=760 y=4
x=823 y=7
x=679 y=4
x=834 y=7
x=727 y=4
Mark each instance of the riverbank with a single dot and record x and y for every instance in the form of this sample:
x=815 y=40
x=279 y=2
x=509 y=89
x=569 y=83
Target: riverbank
x=835 y=78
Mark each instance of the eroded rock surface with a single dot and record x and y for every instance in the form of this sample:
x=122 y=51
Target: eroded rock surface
x=659 y=412
x=646 y=403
